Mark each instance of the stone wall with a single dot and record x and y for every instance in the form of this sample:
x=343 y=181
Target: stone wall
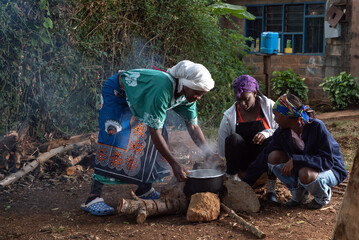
x=309 y=67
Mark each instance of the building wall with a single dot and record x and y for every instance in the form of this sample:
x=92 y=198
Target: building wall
x=341 y=54
x=354 y=44
x=309 y=67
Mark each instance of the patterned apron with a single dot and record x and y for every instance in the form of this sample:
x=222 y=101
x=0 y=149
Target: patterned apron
x=125 y=150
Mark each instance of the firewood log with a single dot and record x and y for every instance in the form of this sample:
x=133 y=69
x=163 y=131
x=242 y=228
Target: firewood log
x=40 y=160
x=61 y=142
x=7 y=148
x=70 y=170
x=79 y=158
x=144 y=208
x=73 y=169
x=11 y=147
x=249 y=227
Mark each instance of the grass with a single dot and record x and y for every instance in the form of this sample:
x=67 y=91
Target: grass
x=346 y=133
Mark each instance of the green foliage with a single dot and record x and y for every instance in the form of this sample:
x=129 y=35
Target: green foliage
x=41 y=75
x=55 y=55
x=235 y=10
x=161 y=33
x=289 y=82
x=342 y=89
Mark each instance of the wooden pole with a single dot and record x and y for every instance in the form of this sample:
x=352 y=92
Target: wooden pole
x=267 y=68
x=347 y=225
x=249 y=227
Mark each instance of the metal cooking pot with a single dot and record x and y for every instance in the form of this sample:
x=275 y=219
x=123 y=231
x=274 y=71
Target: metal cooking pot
x=204 y=180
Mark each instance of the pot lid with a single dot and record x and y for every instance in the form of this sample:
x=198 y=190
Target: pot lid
x=205 y=173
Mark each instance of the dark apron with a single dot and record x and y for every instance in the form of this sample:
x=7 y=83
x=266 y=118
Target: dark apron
x=248 y=130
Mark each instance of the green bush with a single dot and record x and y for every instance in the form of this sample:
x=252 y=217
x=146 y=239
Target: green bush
x=56 y=55
x=289 y=82
x=162 y=33
x=44 y=79
x=342 y=89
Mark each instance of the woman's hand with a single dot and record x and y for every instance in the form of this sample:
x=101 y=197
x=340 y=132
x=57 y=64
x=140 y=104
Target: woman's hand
x=258 y=138
x=178 y=171
x=287 y=168
x=162 y=147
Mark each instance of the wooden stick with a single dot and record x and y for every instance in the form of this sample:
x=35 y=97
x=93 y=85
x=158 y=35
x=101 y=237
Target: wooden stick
x=28 y=158
x=249 y=227
x=41 y=159
x=79 y=158
x=60 y=142
x=134 y=196
x=17 y=160
x=307 y=220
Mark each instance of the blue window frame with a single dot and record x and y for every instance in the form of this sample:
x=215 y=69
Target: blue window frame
x=301 y=23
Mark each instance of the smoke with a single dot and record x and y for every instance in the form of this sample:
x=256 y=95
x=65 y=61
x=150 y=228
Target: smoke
x=212 y=161
x=140 y=54
x=200 y=158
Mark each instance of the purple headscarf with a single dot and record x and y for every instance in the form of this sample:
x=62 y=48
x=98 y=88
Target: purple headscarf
x=245 y=83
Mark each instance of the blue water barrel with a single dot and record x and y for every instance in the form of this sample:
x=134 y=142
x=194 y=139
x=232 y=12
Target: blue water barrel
x=269 y=42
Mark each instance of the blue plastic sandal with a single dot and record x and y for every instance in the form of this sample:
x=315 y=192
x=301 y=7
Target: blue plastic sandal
x=151 y=194
x=98 y=207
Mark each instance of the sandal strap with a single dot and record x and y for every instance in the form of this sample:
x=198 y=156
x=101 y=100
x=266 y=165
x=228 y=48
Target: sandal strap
x=151 y=194
x=96 y=200
x=147 y=193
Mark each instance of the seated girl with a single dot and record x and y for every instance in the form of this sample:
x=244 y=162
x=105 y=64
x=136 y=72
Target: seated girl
x=246 y=128
x=303 y=154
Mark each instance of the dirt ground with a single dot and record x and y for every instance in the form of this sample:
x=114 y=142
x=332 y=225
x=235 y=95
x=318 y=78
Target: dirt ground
x=46 y=205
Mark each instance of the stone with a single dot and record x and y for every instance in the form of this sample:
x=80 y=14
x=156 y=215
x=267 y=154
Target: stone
x=203 y=207
x=240 y=197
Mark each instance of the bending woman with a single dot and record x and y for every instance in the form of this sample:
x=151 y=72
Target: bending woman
x=132 y=142
x=246 y=128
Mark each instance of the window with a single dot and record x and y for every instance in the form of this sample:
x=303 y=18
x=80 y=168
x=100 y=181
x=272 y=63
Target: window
x=273 y=18
x=300 y=25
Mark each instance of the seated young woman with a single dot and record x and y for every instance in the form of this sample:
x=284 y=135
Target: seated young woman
x=246 y=128
x=303 y=154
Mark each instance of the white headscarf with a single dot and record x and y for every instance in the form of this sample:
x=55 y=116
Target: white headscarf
x=192 y=75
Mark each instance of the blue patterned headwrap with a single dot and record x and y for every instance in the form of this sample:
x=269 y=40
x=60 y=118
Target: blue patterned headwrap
x=287 y=109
